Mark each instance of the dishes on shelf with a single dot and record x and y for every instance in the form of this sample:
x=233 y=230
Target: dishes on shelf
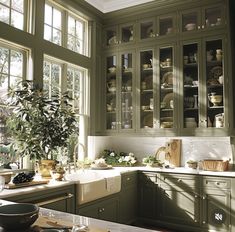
x=148 y=120
x=215 y=72
x=168 y=78
x=112 y=69
x=190 y=26
x=167 y=122
x=167 y=99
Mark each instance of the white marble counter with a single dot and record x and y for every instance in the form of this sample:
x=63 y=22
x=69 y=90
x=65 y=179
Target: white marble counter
x=80 y=220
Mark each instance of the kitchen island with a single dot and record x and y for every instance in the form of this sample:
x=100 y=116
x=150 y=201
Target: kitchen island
x=94 y=225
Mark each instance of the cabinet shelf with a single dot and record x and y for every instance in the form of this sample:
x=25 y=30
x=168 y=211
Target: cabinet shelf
x=146 y=91
x=215 y=107
x=190 y=65
x=190 y=109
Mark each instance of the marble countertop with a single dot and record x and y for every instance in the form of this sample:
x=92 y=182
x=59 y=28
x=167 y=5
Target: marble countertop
x=104 y=226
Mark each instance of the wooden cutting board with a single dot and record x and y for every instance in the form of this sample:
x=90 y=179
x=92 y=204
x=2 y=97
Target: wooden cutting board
x=174 y=149
x=26 y=184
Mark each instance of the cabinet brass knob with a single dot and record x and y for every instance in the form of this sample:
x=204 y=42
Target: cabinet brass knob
x=204 y=222
x=198 y=27
x=203 y=26
x=195 y=196
x=128 y=178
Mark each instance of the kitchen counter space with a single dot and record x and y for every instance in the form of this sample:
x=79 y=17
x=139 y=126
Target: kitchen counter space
x=112 y=172
x=90 y=222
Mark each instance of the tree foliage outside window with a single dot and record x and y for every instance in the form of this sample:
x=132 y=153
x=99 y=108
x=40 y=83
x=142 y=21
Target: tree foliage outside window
x=12 y=63
x=12 y=12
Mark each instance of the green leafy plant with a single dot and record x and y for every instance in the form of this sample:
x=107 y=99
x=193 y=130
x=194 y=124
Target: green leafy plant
x=152 y=161
x=38 y=125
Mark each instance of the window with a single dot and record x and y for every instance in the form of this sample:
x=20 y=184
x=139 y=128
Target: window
x=12 y=67
x=51 y=77
x=66 y=29
x=13 y=12
x=52 y=24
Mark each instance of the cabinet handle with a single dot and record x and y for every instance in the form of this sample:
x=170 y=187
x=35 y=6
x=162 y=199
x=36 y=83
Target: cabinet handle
x=68 y=196
x=100 y=210
x=203 y=197
x=217 y=183
x=203 y=26
x=204 y=222
x=195 y=220
x=195 y=196
x=128 y=178
x=198 y=27
x=157 y=34
x=179 y=180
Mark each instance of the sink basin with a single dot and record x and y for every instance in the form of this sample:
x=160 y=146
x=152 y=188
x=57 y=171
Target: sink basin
x=92 y=185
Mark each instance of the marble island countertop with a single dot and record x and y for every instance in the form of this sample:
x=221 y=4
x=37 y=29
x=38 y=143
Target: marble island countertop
x=94 y=225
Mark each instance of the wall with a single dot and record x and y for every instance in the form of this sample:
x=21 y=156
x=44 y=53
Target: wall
x=196 y=148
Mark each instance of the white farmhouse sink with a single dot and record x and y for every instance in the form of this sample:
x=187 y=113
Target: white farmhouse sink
x=92 y=185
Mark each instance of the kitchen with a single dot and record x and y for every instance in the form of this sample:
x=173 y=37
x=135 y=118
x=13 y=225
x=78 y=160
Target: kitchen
x=130 y=123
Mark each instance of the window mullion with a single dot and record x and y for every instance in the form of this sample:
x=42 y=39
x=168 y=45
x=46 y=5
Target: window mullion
x=64 y=29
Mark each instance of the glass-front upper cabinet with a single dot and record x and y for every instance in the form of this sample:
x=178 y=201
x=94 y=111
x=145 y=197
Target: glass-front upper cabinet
x=111 y=92
x=166 y=75
x=215 y=83
x=157 y=27
x=146 y=89
x=203 y=18
x=127 y=91
x=190 y=85
x=119 y=34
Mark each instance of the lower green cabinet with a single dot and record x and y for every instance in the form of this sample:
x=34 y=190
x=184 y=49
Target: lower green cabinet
x=216 y=204
x=61 y=198
x=104 y=208
x=128 y=198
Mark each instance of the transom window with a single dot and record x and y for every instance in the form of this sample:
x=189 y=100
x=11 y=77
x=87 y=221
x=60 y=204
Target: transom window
x=13 y=12
x=66 y=29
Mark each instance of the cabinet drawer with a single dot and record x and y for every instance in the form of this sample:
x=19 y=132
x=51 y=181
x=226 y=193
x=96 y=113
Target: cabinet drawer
x=149 y=177
x=179 y=181
x=129 y=179
x=217 y=183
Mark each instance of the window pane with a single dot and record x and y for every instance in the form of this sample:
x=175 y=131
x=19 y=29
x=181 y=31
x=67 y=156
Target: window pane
x=46 y=71
x=4 y=14
x=79 y=29
x=55 y=77
x=4 y=54
x=3 y=87
x=14 y=81
x=18 y=5
x=5 y=2
x=47 y=32
x=56 y=19
x=16 y=68
x=71 y=26
x=17 y=20
x=56 y=36
x=48 y=15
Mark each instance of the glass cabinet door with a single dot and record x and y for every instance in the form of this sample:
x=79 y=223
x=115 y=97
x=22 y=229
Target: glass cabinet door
x=147 y=29
x=166 y=25
x=191 y=85
x=146 y=89
x=215 y=83
x=111 y=93
x=127 y=33
x=213 y=16
x=111 y=36
x=190 y=21
x=166 y=90
x=127 y=91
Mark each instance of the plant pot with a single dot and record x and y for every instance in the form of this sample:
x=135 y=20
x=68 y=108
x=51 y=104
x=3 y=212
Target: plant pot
x=45 y=168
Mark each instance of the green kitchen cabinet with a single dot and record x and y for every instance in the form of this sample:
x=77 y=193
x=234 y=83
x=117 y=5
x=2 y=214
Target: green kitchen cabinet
x=180 y=199
x=216 y=204
x=128 y=198
x=120 y=91
x=105 y=208
x=148 y=195
x=61 y=198
x=181 y=72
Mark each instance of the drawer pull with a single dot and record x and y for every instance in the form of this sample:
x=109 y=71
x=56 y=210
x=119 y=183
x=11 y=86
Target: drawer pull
x=68 y=196
x=128 y=178
x=179 y=180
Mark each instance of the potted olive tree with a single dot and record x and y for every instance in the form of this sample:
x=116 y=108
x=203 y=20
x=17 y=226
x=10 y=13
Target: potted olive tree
x=39 y=126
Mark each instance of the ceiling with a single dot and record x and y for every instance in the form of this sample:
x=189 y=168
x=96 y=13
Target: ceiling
x=106 y=6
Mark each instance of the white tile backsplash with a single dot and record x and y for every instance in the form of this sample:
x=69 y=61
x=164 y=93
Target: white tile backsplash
x=196 y=148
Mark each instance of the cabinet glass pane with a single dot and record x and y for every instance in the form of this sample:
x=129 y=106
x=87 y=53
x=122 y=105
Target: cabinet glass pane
x=213 y=17
x=166 y=90
x=215 y=83
x=127 y=34
x=111 y=97
x=165 y=26
x=146 y=87
x=126 y=91
x=191 y=83
x=111 y=37
x=189 y=21
x=146 y=30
